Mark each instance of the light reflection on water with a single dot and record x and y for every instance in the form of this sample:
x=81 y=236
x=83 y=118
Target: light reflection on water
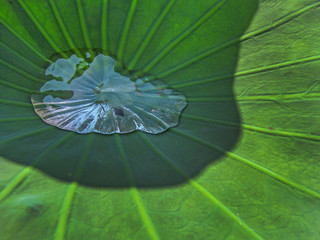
x=86 y=97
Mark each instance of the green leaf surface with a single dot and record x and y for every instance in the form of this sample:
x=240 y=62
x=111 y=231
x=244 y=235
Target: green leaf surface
x=243 y=163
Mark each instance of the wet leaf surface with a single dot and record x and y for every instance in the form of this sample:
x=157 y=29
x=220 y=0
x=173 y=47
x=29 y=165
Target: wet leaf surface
x=103 y=100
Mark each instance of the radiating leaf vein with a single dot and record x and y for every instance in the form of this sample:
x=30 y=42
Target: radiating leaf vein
x=232 y=42
x=125 y=30
x=20 y=56
x=135 y=194
x=306 y=136
x=67 y=203
x=23 y=73
x=22 y=39
x=200 y=188
x=63 y=28
x=214 y=9
x=11 y=186
x=149 y=35
x=40 y=28
x=252 y=164
x=247 y=72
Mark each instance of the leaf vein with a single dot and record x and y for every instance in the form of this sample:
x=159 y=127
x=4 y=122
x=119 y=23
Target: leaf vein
x=40 y=28
x=254 y=165
x=149 y=35
x=135 y=193
x=11 y=186
x=215 y=8
x=200 y=188
x=68 y=200
x=125 y=30
x=311 y=137
x=24 y=41
x=232 y=42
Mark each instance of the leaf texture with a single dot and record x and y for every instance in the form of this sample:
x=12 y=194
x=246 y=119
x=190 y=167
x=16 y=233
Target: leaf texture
x=243 y=163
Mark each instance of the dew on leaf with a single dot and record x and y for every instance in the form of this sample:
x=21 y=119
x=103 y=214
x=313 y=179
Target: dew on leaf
x=104 y=99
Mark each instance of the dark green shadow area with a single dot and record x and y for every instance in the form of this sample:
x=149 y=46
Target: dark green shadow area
x=194 y=49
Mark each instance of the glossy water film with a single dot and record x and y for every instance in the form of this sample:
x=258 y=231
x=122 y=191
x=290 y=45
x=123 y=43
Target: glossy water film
x=91 y=96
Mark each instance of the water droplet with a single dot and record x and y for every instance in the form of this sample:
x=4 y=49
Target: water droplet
x=98 y=96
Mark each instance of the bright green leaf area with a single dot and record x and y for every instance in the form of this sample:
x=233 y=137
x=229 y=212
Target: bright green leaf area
x=244 y=161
